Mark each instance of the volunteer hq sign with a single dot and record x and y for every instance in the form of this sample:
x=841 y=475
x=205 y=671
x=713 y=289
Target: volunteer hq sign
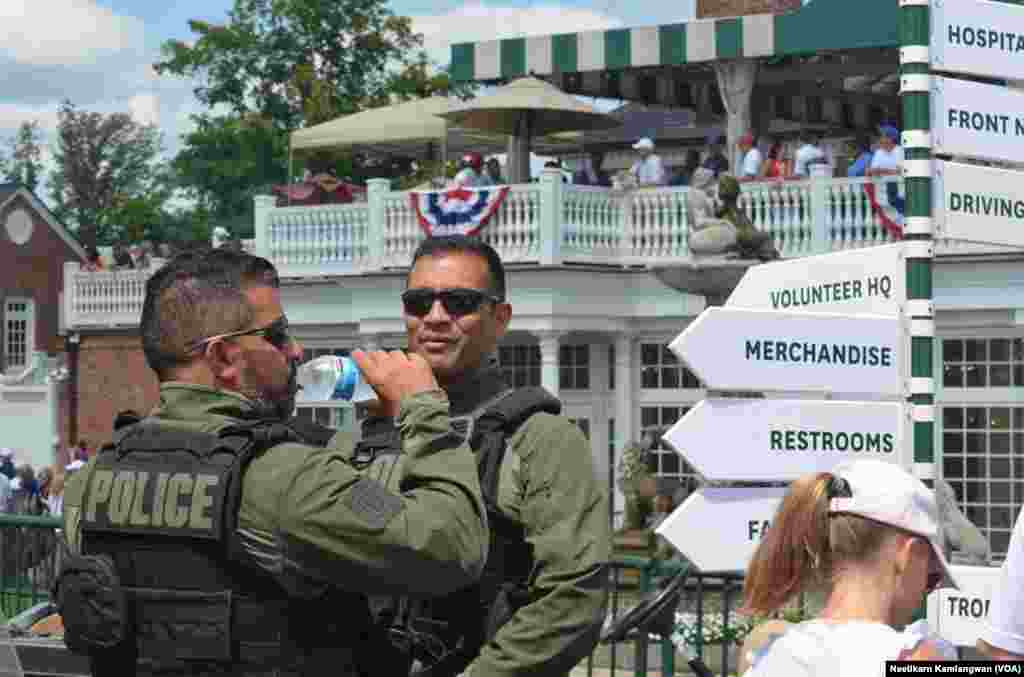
x=976 y=120
x=971 y=36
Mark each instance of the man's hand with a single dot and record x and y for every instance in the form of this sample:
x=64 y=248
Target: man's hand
x=394 y=375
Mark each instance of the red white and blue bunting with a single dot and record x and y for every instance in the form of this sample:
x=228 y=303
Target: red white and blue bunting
x=456 y=211
x=888 y=205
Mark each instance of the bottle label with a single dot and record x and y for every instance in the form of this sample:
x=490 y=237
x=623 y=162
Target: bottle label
x=346 y=385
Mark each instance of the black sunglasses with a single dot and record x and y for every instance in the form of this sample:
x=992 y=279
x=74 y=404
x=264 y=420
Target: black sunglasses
x=456 y=302
x=275 y=333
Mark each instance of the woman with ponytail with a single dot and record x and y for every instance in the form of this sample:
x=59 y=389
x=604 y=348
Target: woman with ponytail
x=866 y=535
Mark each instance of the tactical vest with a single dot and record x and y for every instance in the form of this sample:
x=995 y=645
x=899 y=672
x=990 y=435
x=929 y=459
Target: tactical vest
x=445 y=635
x=177 y=591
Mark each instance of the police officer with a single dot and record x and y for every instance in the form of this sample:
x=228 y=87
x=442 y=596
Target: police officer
x=211 y=539
x=543 y=594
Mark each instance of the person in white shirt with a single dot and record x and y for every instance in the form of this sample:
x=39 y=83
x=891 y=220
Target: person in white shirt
x=649 y=169
x=470 y=167
x=1002 y=636
x=807 y=154
x=867 y=533
x=750 y=169
x=888 y=158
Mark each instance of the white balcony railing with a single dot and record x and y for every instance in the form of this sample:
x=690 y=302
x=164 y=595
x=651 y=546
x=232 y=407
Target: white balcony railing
x=546 y=223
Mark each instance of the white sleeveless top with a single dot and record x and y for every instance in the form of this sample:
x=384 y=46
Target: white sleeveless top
x=850 y=649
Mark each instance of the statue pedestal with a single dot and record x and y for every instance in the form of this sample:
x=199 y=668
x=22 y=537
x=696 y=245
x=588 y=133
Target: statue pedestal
x=714 y=277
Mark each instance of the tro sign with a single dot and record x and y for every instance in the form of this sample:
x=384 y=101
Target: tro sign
x=958 y=615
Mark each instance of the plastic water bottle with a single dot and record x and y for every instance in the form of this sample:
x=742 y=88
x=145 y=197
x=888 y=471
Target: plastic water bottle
x=330 y=377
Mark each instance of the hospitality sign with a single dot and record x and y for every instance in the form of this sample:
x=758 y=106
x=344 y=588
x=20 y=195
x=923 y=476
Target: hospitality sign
x=977 y=37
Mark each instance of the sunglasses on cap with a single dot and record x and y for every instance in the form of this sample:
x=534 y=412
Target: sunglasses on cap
x=456 y=302
x=275 y=333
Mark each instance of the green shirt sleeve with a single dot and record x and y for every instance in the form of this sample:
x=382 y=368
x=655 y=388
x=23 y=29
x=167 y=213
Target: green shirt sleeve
x=563 y=505
x=310 y=517
x=71 y=512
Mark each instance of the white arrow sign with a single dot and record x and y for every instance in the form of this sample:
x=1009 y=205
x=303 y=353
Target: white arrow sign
x=781 y=440
x=976 y=120
x=971 y=36
x=737 y=519
x=958 y=615
x=735 y=349
x=979 y=204
x=868 y=281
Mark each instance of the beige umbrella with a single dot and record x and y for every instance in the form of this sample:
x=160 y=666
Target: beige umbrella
x=524 y=109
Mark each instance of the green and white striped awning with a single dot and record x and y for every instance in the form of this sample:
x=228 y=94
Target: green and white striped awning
x=821 y=25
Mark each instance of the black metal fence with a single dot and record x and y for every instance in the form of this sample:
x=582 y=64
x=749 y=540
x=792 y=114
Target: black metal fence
x=29 y=559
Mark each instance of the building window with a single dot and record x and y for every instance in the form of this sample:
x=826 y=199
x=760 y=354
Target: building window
x=982 y=363
x=983 y=460
x=18 y=332
x=574 y=367
x=611 y=367
x=655 y=421
x=520 y=365
x=584 y=425
x=662 y=369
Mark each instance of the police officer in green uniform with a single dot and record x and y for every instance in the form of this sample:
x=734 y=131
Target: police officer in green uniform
x=211 y=538
x=541 y=602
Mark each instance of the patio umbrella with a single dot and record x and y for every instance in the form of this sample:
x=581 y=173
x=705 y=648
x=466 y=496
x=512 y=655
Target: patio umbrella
x=524 y=109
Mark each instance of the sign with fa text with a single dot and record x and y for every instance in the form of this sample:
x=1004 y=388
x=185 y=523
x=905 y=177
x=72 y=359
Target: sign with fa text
x=977 y=120
x=740 y=519
x=869 y=281
x=980 y=204
x=959 y=615
x=978 y=37
x=739 y=349
x=781 y=440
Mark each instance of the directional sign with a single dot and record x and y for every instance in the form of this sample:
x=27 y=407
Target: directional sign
x=739 y=517
x=971 y=36
x=781 y=440
x=866 y=281
x=979 y=204
x=959 y=615
x=976 y=120
x=736 y=349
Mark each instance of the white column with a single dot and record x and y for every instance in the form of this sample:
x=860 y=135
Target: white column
x=550 y=217
x=376 y=190
x=262 y=205
x=625 y=387
x=549 y=341
x=600 y=411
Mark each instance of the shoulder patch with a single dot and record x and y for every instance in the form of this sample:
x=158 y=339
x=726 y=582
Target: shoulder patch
x=373 y=503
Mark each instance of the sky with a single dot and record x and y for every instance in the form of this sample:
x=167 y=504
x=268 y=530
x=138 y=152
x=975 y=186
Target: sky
x=98 y=53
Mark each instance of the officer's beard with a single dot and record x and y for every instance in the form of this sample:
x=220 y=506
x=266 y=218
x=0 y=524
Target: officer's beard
x=274 y=405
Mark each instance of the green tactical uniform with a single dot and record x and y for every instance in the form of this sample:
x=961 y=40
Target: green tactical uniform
x=547 y=484
x=311 y=522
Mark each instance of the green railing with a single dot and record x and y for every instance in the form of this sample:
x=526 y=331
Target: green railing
x=29 y=559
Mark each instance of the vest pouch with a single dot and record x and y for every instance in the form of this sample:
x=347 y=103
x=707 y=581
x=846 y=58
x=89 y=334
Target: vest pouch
x=175 y=625
x=92 y=603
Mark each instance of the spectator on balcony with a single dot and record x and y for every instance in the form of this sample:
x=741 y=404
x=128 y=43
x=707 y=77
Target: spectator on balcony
x=122 y=257
x=809 y=153
x=649 y=170
x=862 y=151
x=888 y=158
x=141 y=254
x=93 y=260
x=492 y=172
x=750 y=168
x=470 y=171
x=684 y=175
x=774 y=166
x=591 y=174
x=716 y=160
x=7 y=463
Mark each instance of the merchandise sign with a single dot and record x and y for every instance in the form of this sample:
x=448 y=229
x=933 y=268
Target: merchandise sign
x=976 y=120
x=740 y=518
x=868 y=281
x=781 y=440
x=959 y=615
x=738 y=349
x=978 y=37
x=980 y=204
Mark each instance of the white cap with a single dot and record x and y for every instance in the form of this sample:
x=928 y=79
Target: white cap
x=886 y=493
x=6 y=453
x=644 y=144
x=74 y=465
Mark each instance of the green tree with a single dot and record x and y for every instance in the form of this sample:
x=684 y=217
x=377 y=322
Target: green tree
x=293 y=61
x=105 y=165
x=24 y=165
